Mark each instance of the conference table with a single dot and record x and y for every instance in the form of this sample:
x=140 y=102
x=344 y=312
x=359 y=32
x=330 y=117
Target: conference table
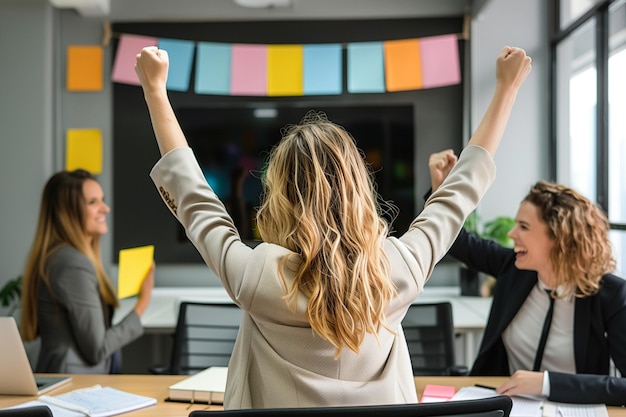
x=156 y=386
x=469 y=313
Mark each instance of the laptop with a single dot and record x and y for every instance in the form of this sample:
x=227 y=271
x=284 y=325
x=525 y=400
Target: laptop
x=16 y=375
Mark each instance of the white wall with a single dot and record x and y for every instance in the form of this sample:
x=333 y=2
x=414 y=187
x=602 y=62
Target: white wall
x=523 y=157
x=25 y=125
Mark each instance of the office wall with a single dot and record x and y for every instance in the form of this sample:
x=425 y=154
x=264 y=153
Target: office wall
x=25 y=124
x=523 y=157
x=36 y=110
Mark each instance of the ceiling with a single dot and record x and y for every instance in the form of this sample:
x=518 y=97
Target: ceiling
x=216 y=10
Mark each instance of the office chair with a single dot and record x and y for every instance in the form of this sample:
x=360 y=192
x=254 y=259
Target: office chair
x=429 y=333
x=497 y=406
x=31 y=411
x=204 y=336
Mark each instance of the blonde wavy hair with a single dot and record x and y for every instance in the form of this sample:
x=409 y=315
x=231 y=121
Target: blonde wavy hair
x=582 y=252
x=60 y=223
x=320 y=202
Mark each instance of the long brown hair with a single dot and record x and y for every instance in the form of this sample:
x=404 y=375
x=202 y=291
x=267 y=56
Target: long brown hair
x=320 y=202
x=582 y=253
x=61 y=222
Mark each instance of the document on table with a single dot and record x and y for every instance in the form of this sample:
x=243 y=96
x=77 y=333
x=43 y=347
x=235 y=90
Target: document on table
x=93 y=402
x=529 y=406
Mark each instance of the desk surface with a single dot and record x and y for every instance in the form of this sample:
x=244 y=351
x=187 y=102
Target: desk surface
x=469 y=313
x=156 y=386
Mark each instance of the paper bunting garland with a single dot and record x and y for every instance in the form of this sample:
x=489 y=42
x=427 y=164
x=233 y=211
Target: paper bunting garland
x=298 y=70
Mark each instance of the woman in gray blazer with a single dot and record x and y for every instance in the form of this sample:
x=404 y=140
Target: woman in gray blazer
x=68 y=300
x=324 y=295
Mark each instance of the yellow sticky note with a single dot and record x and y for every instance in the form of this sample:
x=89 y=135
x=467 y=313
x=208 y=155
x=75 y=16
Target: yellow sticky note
x=134 y=264
x=84 y=68
x=83 y=149
x=285 y=70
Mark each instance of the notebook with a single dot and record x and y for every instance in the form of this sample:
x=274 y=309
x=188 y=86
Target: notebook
x=206 y=386
x=16 y=375
x=96 y=401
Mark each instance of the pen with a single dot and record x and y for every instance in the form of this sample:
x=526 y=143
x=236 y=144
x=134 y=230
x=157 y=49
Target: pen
x=484 y=386
x=65 y=405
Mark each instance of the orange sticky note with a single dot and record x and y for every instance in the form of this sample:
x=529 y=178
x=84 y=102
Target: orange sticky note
x=83 y=149
x=403 y=70
x=84 y=68
x=285 y=65
x=134 y=264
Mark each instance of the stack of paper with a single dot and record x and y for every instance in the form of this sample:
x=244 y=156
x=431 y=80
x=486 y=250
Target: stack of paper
x=529 y=406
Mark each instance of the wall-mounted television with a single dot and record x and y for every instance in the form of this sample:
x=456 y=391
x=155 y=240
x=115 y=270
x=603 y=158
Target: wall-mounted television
x=232 y=144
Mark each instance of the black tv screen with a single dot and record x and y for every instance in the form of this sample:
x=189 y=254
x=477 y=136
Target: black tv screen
x=232 y=144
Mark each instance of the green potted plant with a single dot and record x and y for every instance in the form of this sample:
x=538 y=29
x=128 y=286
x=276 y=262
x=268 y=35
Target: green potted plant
x=10 y=294
x=496 y=230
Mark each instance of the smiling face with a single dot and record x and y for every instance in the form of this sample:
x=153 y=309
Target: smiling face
x=532 y=242
x=95 y=209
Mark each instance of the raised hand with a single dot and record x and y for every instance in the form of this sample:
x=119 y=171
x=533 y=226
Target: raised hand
x=440 y=164
x=151 y=68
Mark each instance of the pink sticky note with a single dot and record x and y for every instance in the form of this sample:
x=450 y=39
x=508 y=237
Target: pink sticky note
x=127 y=49
x=437 y=393
x=440 y=61
x=249 y=70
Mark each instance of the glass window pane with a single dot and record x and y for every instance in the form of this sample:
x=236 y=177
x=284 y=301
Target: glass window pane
x=618 y=240
x=576 y=110
x=571 y=10
x=617 y=110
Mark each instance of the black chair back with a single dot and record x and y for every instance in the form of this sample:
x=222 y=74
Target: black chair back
x=429 y=332
x=205 y=336
x=497 y=406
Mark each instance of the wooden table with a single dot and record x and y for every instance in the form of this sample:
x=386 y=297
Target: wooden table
x=156 y=386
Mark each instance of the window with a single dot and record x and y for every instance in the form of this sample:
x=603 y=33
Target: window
x=617 y=126
x=576 y=110
x=573 y=9
x=590 y=129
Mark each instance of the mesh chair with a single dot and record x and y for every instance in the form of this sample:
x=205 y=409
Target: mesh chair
x=205 y=336
x=429 y=333
x=498 y=406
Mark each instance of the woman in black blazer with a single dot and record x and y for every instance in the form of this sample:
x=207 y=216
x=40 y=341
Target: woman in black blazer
x=562 y=256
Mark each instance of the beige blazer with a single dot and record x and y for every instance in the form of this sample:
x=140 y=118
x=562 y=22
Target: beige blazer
x=278 y=361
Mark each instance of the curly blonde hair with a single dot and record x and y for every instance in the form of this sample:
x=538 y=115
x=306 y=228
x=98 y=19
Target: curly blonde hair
x=582 y=252
x=320 y=202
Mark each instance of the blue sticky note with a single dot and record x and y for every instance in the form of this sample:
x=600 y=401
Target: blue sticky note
x=180 y=54
x=213 y=68
x=366 y=68
x=322 y=69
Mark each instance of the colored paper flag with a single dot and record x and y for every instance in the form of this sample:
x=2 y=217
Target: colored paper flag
x=284 y=70
x=84 y=68
x=180 y=53
x=249 y=70
x=213 y=68
x=365 y=67
x=83 y=149
x=134 y=265
x=403 y=69
x=322 y=69
x=127 y=49
x=440 y=61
